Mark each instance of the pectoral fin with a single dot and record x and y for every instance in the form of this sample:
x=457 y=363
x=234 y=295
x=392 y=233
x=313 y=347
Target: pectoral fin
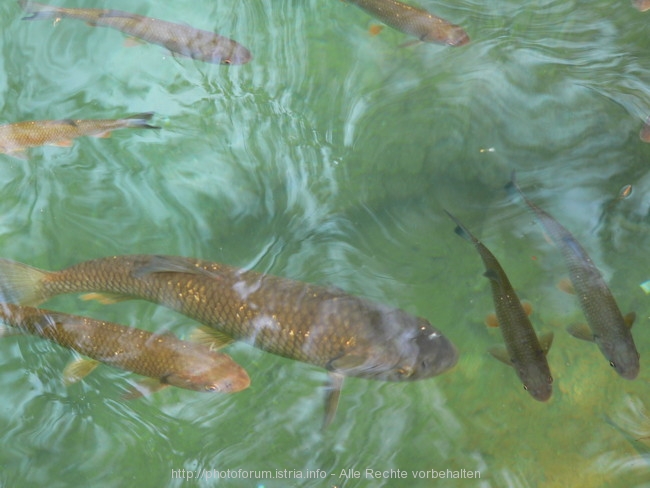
x=491 y=320
x=581 y=331
x=64 y=143
x=78 y=370
x=213 y=338
x=500 y=353
x=413 y=42
x=346 y=363
x=566 y=286
x=145 y=387
x=629 y=319
x=545 y=340
x=19 y=154
x=332 y=395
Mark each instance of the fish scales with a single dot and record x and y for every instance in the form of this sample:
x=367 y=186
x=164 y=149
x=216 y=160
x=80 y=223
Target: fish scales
x=21 y=135
x=414 y=21
x=160 y=356
x=611 y=331
x=177 y=38
x=323 y=326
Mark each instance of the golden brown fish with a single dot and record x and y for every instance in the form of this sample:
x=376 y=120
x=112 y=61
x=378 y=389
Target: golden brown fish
x=523 y=350
x=15 y=138
x=162 y=357
x=609 y=329
x=641 y=5
x=345 y=334
x=414 y=21
x=178 y=38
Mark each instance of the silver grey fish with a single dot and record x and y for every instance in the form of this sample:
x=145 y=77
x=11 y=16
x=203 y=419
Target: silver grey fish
x=523 y=350
x=178 y=38
x=609 y=329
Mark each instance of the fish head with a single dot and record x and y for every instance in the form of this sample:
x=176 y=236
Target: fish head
x=536 y=378
x=622 y=356
x=435 y=354
x=217 y=373
x=411 y=349
x=450 y=34
x=232 y=53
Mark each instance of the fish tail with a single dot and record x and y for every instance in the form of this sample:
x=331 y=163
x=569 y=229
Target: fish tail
x=140 y=120
x=20 y=283
x=460 y=229
x=38 y=11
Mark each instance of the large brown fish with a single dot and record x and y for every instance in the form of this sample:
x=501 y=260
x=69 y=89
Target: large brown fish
x=178 y=38
x=609 y=329
x=162 y=357
x=15 y=138
x=524 y=351
x=345 y=334
x=414 y=21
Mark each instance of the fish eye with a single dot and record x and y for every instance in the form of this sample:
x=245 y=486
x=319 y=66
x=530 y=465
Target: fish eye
x=526 y=387
x=611 y=363
x=550 y=380
x=211 y=388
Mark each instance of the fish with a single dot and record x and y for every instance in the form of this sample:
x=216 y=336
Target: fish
x=524 y=351
x=323 y=326
x=163 y=357
x=17 y=137
x=177 y=38
x=641 y=6
x=414 y=21
x=608 y=328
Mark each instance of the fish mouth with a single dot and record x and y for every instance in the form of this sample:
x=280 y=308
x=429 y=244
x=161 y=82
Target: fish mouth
x=459 y=38
x=435 y=358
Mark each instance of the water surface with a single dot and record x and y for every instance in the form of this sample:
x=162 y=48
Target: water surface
x=328 y=158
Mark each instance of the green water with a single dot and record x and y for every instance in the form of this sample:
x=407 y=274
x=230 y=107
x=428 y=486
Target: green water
x=328 y=158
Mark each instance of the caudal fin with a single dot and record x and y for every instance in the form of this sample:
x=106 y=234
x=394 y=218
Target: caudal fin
x=38 y=11
x=140 y=120
x=20 y=283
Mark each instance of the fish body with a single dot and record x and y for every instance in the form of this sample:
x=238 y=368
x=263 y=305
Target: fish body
x=524 y=351
x=163 y=357
x=327 y=327
x=177 y=38
x=19 y=136
x=414 y=21
x=609 y=329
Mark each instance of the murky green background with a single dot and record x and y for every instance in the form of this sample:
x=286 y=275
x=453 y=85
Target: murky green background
x=329 y=159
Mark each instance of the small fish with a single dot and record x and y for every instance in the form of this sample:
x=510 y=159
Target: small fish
x=178 y=38
x=644 y=133
x=324 y=326
x=523 y=350
x=414 y=21
x=609 y=329
x=15 y=138
x=162 y=357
